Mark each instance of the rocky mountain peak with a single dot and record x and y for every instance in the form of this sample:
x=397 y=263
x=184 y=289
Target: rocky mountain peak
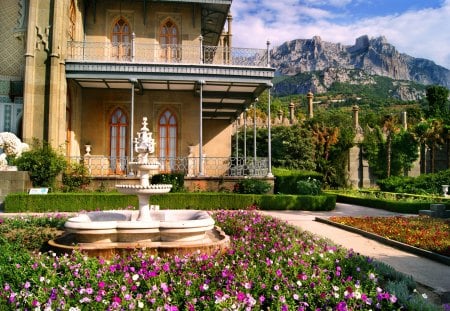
x=372 y=55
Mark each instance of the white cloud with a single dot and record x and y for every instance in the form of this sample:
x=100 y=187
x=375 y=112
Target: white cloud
x=424 y=33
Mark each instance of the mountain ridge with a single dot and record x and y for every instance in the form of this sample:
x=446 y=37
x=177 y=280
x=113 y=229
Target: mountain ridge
x=328 y=63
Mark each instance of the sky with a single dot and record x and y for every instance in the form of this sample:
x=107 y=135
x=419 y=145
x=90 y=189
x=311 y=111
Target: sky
x=419 y=28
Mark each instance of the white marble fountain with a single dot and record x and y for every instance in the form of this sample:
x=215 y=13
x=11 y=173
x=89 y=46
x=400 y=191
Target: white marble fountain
x=105 y=233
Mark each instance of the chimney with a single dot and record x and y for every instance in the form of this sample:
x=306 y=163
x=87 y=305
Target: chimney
x=355 y=110
x=310 y=97
x=291 y=113
x=404 y=120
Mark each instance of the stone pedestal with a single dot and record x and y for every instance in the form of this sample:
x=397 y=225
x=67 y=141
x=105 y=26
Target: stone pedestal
x=13 y=181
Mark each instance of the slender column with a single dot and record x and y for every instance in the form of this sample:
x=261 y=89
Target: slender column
x=133 y=81
x=29 y=127
x=269 y=135
x=254 y=133
x=237 y=140
x=201 y=49
x=310 y=97
x=245 y=138
x=200 y=140
x=57 y=110
x=133 y=46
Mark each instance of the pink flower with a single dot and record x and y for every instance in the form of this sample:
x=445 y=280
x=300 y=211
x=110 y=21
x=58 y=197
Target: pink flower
x=240 y=296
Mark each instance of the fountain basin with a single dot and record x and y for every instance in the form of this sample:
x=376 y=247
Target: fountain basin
x=123 y=226
x=108 y=233
x=140 y=189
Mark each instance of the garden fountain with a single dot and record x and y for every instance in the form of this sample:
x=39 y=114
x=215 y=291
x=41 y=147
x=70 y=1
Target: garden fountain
x=106 y=233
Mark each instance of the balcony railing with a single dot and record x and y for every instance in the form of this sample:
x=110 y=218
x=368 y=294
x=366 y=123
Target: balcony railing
x=101 y=166
x=167 y=54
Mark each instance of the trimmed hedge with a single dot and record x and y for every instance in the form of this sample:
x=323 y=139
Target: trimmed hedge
x=286 y=180
x=407 y=207
x=75 y=202
x=67 y=202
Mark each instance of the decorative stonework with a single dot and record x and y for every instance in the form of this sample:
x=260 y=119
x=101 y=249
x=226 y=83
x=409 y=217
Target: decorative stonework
x=21 y=27
x=11 y=49
x=113 y=15
x=163 y=17
x=42 y=38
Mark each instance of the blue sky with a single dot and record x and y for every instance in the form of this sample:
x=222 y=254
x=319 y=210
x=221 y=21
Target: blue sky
x=420 y=28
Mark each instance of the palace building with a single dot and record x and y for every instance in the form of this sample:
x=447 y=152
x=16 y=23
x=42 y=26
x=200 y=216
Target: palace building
x=82 y=74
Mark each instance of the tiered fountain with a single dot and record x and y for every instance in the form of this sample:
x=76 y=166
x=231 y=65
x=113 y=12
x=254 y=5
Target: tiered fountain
x=107 y=233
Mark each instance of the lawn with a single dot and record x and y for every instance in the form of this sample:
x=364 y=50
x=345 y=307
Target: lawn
x=270 y=265
x=432 y=234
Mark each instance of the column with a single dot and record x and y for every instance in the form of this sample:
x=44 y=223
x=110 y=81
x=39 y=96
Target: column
x=200 y=139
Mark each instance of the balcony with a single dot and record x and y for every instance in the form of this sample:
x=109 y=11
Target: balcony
x=142 y=53
x=104 y=166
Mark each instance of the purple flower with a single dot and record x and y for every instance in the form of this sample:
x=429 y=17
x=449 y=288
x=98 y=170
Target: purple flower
x=341 y=306
x=240 y=296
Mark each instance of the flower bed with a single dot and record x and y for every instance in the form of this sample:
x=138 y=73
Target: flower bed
x=270 y=265
x=424 y=232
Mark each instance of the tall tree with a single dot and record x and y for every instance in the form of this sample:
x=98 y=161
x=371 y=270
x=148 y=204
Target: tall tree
x=430 y=133
x=390 y=128
x=438 y=104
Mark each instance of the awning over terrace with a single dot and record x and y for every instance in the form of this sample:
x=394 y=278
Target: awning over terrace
x=226 y=90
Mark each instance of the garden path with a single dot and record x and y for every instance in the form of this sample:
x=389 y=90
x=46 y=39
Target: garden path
x=431 y=274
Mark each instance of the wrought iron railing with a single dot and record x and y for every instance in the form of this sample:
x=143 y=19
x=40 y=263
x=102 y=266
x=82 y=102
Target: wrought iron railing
x=99 y=165
x=146 y=53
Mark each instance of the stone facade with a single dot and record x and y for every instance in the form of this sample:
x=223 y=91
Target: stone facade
x=80 y=61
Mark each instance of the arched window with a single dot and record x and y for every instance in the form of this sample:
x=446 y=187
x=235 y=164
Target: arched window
x=168 y=39
x=167 y=140
x=121 y=40
x=118 y=141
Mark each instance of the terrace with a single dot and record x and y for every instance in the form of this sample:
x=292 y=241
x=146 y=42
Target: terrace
x=229 y=79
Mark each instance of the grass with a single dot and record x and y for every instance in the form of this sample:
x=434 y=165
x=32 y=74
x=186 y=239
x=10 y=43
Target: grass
x=270 y=265
x=432 y=234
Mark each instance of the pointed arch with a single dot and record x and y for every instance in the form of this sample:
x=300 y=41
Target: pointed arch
x=118 y=140
x=121 y=39
x=168 y=139
x=169 y=38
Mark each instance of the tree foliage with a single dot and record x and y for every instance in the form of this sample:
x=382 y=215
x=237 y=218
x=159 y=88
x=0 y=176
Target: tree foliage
x=43 y=163
x=437 y=98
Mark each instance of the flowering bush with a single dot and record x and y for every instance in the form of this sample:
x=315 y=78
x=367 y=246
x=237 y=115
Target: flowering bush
x=424 y=232
x=269 y=266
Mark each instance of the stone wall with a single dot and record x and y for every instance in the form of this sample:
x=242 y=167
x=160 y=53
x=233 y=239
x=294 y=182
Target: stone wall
x=192 y=184
x=11 y=182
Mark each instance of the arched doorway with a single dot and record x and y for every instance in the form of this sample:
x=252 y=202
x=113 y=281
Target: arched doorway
x=118 y=141
x=121 y=40
x=167 y=129
x=168 y=39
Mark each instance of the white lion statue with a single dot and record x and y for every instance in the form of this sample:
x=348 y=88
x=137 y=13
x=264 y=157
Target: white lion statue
x=12 y=146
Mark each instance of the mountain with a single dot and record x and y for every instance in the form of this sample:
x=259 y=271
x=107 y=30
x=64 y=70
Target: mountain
x=313 y=64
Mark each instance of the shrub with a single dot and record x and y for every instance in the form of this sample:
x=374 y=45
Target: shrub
x=75 y=177
x=309 y=187
x=75 y=202
x=423 y=184
x=42 y=162
x=286 y=181
x=252 y=186
x=177 y=181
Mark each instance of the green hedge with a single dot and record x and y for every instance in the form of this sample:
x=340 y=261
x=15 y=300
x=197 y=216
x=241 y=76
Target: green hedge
x=74 y=202
x=67 y=202
x=407 y=207
x=286 y=180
